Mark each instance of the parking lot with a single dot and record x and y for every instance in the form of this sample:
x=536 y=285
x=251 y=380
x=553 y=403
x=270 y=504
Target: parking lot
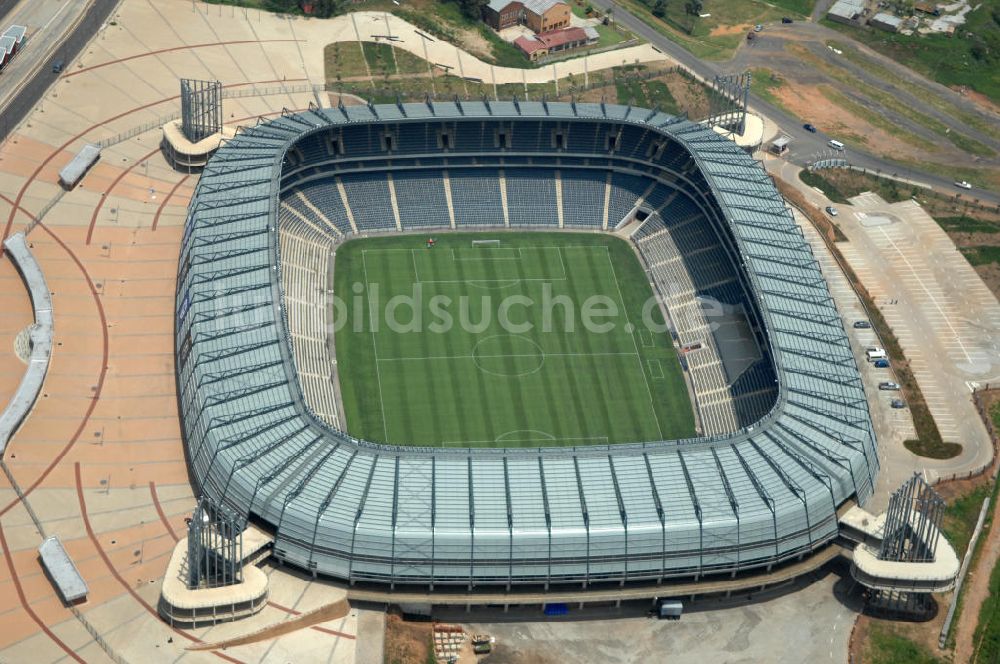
x=945 y=318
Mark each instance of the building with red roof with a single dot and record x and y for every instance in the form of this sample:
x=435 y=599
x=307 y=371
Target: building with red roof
x=553 y=41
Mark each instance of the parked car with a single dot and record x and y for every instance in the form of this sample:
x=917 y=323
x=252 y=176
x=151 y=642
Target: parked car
x=786 y=19
x=832 y=211
x=758 y=27
x=862 y=325
x=898 y=403
x=963 y=185
x=888 y=385
x=809 y=127
x=873 y=354
x=881 y=364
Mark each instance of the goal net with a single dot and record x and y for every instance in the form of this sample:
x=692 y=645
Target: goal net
x=486 y=243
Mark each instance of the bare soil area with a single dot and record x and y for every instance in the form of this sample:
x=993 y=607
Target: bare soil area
x=407 y=642
x=801 y=100
x=474 y=42
x=726 y=30
x=980 y=99
x=690 y=96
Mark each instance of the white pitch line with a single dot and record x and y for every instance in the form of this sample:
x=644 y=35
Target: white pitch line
x=378 y=374
x=621 y=299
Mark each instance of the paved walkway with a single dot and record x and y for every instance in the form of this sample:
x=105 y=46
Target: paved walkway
x=101 y=456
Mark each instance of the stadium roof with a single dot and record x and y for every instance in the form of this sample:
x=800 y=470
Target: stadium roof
x=360 y=510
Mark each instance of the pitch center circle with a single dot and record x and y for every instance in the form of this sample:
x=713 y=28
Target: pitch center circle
x=508 y=355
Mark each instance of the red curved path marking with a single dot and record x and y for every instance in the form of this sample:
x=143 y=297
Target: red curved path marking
x=20 y=194
x=114 y=183
x=318 y=628
x=159 y=511
x=24 y=600
x=173 y=535
x=100 y=380
x=179 y=48
x=15 y=208
x=115 y=573
x=163 y=203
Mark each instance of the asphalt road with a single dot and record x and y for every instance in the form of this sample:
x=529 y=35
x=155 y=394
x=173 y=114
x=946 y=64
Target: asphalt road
x=806 y=142
x=5 y=7
x=25 y=100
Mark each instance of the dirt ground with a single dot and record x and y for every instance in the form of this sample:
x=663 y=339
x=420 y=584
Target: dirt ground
x=406 y=642
x=980 y=99
x=725 y=30
x=926 y=633
x=801 y=100
x=690 y=96
x=475 y=43
x=978 y=591
x=977 y=582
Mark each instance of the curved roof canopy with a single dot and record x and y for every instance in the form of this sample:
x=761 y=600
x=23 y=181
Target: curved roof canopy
x=363 y=511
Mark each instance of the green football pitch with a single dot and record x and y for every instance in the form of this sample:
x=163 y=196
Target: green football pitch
x=534 y=339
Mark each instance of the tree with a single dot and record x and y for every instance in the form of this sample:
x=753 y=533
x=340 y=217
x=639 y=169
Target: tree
x=694 y=7
x=473 y=8
x=660 y=9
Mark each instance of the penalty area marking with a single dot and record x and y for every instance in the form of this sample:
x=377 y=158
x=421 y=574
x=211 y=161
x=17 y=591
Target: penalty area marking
x=482 y=283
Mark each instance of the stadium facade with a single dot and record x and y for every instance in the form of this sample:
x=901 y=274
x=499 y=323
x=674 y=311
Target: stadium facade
x=764 y=493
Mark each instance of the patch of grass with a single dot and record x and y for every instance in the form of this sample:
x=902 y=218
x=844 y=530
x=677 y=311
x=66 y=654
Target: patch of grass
x=889 y=102
x=979 y=177
x=659 y=95
x=764 y=83
x=842 y=184
x=961 y=514
x=814 y=179
x=873 y=118
x=505 y=54
x=554 y=383
x=801 y=7
x=608 y=36
x=343 y=60
x=387 y=60
x=721 y=48
x=967 y=224
x=986 y=640
x=641 y=91
x=971 y=58
x=981 y=255
x=979 y=122
x=886 y=647
x=969 y=145
x=930 y=449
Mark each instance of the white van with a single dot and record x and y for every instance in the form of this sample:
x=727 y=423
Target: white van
x=875 y=354
x=836 y=145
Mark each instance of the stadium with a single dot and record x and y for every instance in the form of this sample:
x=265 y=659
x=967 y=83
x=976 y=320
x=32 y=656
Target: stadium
x=766 y=435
